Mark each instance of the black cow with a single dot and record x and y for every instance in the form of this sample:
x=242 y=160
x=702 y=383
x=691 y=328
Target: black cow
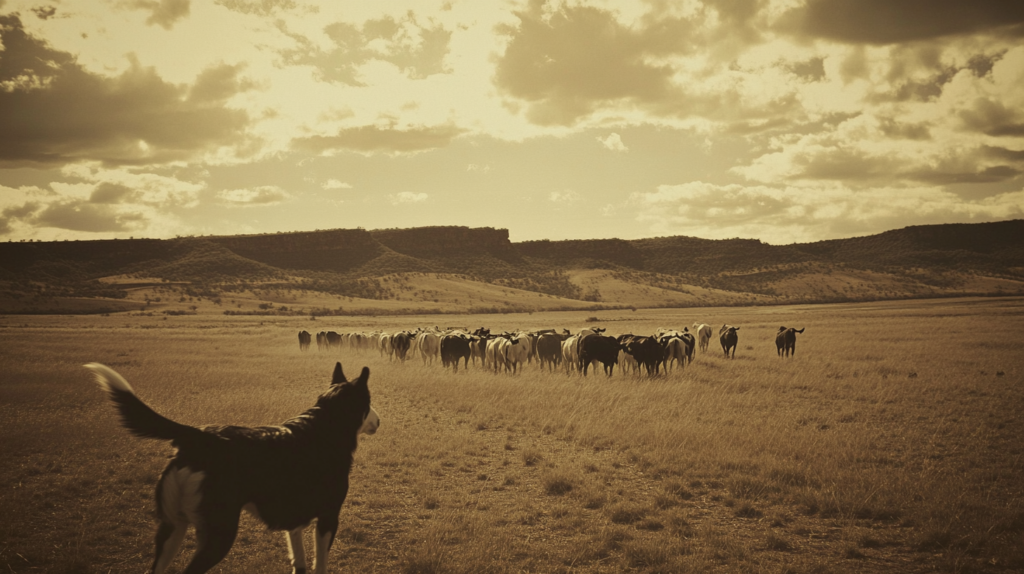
x=785 y=341
x=454 y=348
x=599 y=348
x=647 y=351
x=691 y=343
x=727 y=335
x=304 y=340
x=321 y=341
x=400 y=342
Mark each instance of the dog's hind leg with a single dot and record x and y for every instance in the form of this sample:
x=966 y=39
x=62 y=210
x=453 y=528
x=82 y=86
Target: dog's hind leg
x=214 y=538
x=296 y=552
x=168 y=540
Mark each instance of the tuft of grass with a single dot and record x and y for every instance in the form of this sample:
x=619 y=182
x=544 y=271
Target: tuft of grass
x=747 y=510
x=531 y=457
x=647 y=554
x=557 y=483
x=852 y=553
x=626 y=513
x=777 y=543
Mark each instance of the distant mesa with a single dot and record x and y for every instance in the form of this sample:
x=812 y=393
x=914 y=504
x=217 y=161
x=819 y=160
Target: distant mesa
x=375 y=265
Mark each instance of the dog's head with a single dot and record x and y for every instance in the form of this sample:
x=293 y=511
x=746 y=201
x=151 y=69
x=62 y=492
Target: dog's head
x=355 y=395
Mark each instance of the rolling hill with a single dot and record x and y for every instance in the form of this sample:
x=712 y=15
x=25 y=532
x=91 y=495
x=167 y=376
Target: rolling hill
x=457 y=269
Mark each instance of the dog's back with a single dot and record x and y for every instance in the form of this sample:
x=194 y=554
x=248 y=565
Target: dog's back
x=287 y=475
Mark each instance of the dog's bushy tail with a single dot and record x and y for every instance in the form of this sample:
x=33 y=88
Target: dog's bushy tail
x=136 y=416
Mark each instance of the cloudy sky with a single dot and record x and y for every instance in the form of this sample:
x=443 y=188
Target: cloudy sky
x=781 y=120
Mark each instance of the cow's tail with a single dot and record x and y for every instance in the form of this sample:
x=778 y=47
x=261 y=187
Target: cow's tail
x=136 y=416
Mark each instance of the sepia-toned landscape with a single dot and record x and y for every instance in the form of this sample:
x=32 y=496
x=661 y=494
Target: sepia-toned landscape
x=192 y=192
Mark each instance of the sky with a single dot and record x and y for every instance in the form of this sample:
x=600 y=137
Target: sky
x=780 y=120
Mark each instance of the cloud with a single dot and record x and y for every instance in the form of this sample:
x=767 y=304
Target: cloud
x=335 y=184
x=570 y=64
x=857 y=166
x=15 y=213
x=407 y=197
x=103 y=208
x=370 y=139
x=993 y=118
x=79 y=215
x=567 y=196
x=809 y=213
x=872 y=150
x=93 y=199
x=890 y=21
x=53 y=111
x=613 y=142
x=163 y=12
x=813 y=69
x=43 y=12
x=567 y=62
x=111 y=193
x=257 y=7
x=149 y=189
x=256 y=197
x=415 y=49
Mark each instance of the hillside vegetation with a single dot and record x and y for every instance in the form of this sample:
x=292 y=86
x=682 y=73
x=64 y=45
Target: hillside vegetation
x=459 y=269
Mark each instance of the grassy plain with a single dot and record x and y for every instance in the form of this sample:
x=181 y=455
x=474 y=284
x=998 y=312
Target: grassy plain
x=892 y=442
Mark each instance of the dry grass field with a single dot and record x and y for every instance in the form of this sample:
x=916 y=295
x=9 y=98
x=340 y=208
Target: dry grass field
x=892 y=442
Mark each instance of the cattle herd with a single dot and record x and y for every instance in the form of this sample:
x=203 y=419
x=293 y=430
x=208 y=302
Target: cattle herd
x=665 y=350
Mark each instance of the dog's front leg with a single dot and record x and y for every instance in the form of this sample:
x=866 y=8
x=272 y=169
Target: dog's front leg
x=326 y=528
x=296 y=551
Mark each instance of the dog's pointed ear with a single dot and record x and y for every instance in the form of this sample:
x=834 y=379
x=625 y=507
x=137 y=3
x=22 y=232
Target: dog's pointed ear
x=338 y=377
x=364 y=377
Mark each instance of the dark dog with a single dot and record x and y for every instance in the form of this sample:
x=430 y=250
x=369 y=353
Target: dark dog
x=286 y=475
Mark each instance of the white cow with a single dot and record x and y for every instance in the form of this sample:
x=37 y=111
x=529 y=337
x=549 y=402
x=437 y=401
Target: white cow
x=675 y=352
x=429 y=345
x=570 y=354
x=495 y=354
x=386 y=349
x=517 y=352
x=703 y=331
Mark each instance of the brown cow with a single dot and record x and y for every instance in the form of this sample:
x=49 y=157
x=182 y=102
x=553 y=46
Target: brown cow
x=785 y=341
x=727 y=335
